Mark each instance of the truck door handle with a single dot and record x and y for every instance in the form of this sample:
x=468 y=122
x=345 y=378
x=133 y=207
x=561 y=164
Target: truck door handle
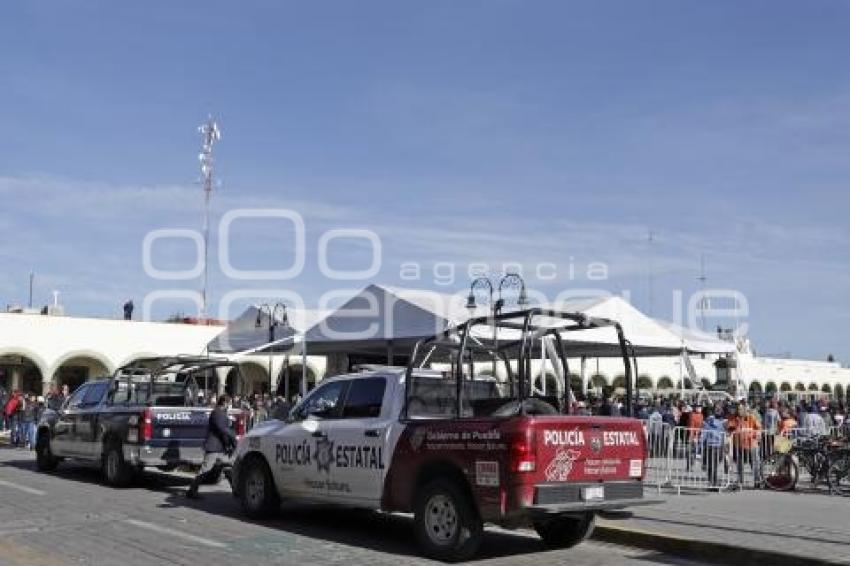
x=320 y=434
x=373 y=433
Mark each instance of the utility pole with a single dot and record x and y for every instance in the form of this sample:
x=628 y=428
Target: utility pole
x=209 y=135
x=32 y=278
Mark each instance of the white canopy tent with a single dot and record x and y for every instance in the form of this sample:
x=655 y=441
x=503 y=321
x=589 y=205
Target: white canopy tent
x=385 y=322
x=648 y=336
x=381 y=318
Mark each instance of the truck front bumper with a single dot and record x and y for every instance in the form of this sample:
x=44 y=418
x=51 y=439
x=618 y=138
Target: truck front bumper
x=163 y=456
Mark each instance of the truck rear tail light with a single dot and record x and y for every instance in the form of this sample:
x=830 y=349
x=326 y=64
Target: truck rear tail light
x=523 y=457
x=239 y=425
x=147 y=426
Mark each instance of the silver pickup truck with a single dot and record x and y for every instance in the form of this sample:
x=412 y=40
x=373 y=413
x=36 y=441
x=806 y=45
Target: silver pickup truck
x=144 y=416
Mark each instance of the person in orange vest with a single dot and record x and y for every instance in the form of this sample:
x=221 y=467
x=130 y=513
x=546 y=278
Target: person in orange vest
x=786 y=421
x=694 y=424
x=744 y=428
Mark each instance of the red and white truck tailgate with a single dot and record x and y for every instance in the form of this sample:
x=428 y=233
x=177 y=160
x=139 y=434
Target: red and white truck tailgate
x=580 y=463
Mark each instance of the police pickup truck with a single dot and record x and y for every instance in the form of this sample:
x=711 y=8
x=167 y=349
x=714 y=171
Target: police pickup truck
x=454 y=448
x=145 y=415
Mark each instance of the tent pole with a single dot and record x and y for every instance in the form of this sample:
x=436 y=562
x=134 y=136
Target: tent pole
x=542 y=368
x=584 y=376
x=286 y=383
x=628 y=366
x=303 y=367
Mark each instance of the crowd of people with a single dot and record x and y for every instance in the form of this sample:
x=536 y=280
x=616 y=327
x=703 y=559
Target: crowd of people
x=21 y=412
x=260 y=406
x=773 y=416
x=736 y=431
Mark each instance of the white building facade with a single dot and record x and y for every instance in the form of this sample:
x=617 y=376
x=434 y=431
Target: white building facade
x=37 y=351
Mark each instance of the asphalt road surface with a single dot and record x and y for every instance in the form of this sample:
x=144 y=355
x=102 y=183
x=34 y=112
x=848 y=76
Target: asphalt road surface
x=69 y=517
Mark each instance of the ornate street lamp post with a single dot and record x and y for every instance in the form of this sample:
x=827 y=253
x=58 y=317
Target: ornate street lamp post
x=508 y=281
x=271 y=311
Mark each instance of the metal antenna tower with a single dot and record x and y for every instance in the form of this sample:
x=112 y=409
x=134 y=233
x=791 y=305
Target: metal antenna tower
x=209 y=135
x=651 y=277
x=703 y=300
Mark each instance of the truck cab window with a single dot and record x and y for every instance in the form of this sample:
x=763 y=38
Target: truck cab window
x=365 y=398
x=76 y=399
x=323 y=402
x=95 y=394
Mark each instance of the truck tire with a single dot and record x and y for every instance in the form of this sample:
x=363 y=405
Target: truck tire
x=257 y=492
x=446 y=523
x=565 y=532
x=45 y=461
x=116 y=471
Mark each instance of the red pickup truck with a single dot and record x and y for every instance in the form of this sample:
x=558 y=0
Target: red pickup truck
x=455 y=448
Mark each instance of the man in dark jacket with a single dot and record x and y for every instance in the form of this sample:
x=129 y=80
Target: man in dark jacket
x=280 y=409
x=218 y=446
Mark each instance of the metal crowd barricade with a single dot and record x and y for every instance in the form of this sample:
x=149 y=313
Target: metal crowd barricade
x=797 y=433
x=698 y=459
x=658 y=438
x=701 y=459
x=748 y=448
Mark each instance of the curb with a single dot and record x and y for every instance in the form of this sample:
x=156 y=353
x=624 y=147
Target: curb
x=710 y=551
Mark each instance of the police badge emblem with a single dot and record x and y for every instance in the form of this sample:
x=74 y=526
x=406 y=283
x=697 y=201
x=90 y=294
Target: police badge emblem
x=596 y=444
x=324 y=455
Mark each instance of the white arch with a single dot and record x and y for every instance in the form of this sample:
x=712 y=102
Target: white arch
x=82 y=353
x=550 y=378
x=258 y=373
x=36 y=360
x=295 y=369
x=596 y=377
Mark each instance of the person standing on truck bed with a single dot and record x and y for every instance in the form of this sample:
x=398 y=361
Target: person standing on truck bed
x=218 y=446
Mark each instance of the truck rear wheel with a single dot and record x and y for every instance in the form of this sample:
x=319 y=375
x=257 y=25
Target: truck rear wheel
x=257 y=491
x=446 y=523
x=116 y=471
x=565 y=532
x=45 y=461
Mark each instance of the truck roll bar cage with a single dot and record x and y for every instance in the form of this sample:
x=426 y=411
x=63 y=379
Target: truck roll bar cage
x=156 y=366
x=464 y=343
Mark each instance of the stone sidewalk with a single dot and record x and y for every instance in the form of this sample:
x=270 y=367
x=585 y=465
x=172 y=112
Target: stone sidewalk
x=805 y=525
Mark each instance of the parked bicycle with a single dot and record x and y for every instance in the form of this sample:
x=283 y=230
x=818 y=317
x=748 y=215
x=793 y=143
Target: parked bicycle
x=838 y=475
x=824 y=459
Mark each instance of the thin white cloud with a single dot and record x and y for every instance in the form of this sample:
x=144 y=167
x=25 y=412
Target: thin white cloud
x=85 y=238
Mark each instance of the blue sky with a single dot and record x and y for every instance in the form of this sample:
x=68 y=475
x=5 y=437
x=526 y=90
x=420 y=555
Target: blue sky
x=459 y=132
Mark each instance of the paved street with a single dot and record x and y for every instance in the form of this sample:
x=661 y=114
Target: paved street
x=70 y=518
